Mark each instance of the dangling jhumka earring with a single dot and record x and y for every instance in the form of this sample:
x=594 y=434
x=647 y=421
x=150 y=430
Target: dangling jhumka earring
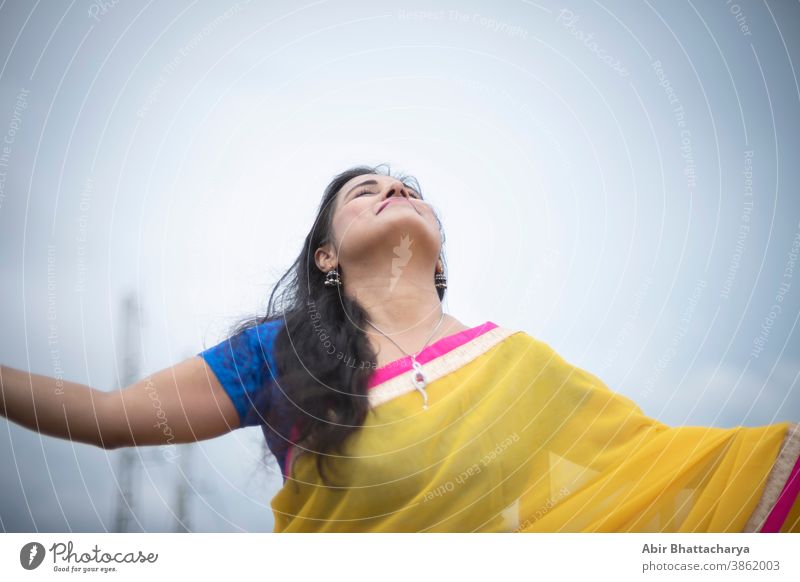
x=440 y=280
x=332 y=278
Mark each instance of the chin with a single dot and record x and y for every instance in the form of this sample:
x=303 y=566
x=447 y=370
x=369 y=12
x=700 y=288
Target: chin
x=419 y=231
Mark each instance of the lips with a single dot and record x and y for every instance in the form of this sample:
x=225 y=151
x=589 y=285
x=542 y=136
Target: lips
x=391 y=200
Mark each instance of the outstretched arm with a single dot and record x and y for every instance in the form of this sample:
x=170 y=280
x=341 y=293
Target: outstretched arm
x=180 y=404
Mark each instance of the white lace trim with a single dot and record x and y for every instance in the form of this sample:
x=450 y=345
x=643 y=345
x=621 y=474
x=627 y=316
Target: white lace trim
x=439 y=367
x=790 y=450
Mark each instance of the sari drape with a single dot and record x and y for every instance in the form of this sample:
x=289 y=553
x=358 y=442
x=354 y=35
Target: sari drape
x=516 y=439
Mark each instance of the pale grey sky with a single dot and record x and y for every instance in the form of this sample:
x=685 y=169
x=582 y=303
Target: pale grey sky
x=617 y=179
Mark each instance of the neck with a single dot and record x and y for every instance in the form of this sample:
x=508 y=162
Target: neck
x=405 y=301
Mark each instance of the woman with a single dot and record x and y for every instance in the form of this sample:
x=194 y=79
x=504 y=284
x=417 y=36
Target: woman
x=386 y=414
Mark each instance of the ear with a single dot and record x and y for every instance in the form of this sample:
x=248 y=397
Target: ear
x=439 y=266
x=325 y=257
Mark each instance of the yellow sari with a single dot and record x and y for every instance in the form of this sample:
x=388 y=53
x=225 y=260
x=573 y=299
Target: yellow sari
x=515 y=439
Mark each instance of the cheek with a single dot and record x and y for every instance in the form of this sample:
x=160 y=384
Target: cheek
x=430 y=217
x=345 y=221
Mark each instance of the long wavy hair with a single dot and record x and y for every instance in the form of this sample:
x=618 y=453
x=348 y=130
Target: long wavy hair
x=321 y=389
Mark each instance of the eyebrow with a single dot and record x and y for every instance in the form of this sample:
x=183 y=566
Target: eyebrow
x=361 y=184
x=365 y=182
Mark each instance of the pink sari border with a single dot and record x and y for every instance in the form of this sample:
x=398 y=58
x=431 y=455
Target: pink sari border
x=786 y=499
x=437 y=349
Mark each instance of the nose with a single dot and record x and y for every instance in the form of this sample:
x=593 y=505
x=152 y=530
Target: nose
x=398 y=189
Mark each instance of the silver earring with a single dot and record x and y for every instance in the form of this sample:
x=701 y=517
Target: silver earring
x=332 y=278
x=440 y=280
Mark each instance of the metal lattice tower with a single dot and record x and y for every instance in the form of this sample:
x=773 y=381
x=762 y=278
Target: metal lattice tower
x=126 y=468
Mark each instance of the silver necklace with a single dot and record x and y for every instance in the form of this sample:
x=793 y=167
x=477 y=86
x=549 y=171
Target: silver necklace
x=418 y=378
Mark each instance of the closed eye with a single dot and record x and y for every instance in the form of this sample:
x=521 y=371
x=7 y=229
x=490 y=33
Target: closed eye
x=413 y=194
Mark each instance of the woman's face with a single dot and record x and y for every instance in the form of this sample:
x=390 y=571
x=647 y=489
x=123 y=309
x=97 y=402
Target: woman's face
x=372 y=213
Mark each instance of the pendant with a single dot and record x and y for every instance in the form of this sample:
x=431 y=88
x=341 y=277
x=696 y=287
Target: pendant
x=420 y=381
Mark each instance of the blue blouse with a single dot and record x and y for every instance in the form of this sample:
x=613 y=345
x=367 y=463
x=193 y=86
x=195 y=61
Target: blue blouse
x=245 y=367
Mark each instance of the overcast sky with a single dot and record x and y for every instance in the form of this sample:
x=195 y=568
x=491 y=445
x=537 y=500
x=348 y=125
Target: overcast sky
x=616 y=179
